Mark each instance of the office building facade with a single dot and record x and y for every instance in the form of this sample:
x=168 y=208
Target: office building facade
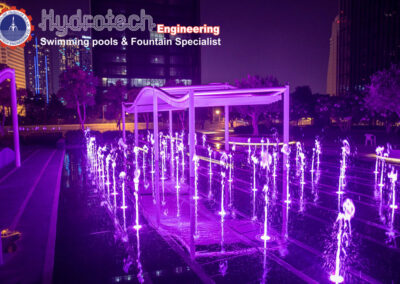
x=138 y=66
x=368 y=41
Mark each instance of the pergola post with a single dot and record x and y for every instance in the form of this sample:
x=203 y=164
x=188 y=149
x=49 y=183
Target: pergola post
x=136 y=127
x=226 y=128
x=171 y=141
x=123 y=123
x=286 y=120
x=191 y=132
x=286 y=112
x=156 y=155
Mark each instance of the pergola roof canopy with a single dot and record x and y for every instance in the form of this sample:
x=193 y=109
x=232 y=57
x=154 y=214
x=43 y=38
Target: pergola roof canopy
x=177 y=98
x=151 y=99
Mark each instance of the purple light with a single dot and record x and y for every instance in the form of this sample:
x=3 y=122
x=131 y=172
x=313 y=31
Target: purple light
x=265 y=236
x=136 y=194
x=344 y=220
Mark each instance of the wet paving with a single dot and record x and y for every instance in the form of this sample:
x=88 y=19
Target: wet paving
x=97 y=243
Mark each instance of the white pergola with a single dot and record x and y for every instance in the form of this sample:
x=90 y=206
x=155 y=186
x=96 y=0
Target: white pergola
x=153 y=99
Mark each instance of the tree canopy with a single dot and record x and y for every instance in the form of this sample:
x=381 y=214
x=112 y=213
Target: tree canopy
x=77 y=90
x=254 y=112
x=383 y=97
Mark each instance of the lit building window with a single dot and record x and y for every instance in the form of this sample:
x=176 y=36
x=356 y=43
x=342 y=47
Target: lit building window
x=157 y=59
x=106 y=82
x=186 y=82
x=117 y=70
x=173 y=71
x=116 y=57
x=142 y=82
x=156 y=35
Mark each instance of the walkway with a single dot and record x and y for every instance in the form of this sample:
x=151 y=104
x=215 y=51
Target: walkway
x=28 y=204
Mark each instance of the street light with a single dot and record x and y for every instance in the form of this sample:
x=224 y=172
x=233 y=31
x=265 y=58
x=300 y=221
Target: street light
x=218 y=112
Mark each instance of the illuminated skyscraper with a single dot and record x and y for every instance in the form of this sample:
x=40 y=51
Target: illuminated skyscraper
x=14 y=58
x=368 y=41
x=54 y=59
x=332 y=64
x=38 y=68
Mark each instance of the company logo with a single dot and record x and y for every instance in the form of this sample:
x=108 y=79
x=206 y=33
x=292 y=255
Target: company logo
x=15 y=27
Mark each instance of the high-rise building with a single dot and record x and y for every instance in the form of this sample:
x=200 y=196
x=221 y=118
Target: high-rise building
x=368 y=41
x=332 y=64
x=14 y=58
x=44 y=64
x=138 y=66
x=39 y=70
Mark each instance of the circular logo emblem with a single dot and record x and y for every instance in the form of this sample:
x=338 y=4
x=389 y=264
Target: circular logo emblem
x=15 y=28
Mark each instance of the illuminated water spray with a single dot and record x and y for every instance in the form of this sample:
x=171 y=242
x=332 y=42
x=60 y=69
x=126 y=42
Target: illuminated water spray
x=162 y=153
x=344 y=231
x=122 y=146
x=265 y=236
x=108 y=159
x=160 y=140
x=312 y=163
x=176 y=143
x=391 y=233
x=249 y=151
x=136 y=151
x=122 y=176
x=145 y=151
x=182 y=150
x=275 y=159
x=210 y=152
x=383 y=168
x=152 y=157
x=265 y=163
x=136 y=194
x=99 y=165
x=343 y=166
x=223 y=162
x=379 y=155
x=172 y=151
x=222 y=212
x=254 y=189
x=204 y=137
x=177 y=187
x=299 y=151
x=262 y=146
x=140 y=276
x=152 y=170
x=103 y=173
x=230 y=181
x=91 y=153
x=302 y=180
x=114 y=193
x=196 y=195
x=286 y=151
x=318 y=151
x=393 y=179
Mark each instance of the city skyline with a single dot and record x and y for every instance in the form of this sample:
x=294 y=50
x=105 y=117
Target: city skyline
x=295 y=56
x=298 y=49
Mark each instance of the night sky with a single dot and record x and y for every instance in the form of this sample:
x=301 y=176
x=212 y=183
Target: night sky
x=287 y=38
